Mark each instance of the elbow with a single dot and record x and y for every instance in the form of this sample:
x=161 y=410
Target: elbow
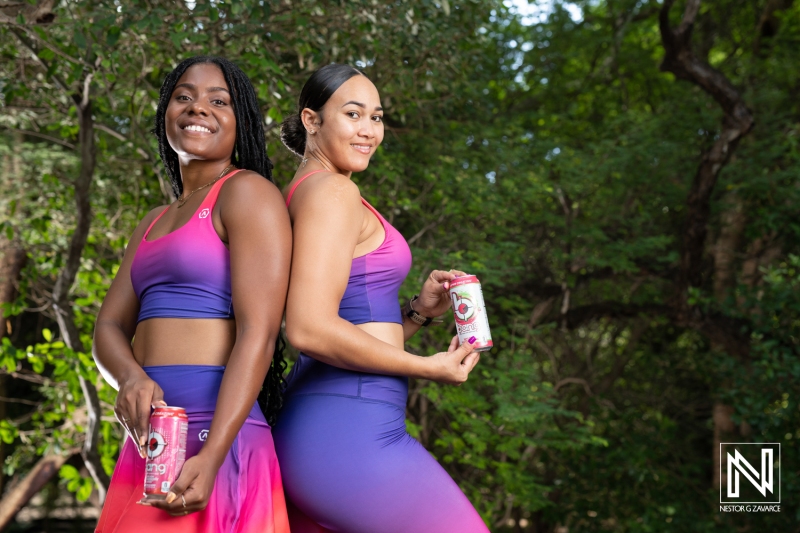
x=299 y=335
x=306 y=331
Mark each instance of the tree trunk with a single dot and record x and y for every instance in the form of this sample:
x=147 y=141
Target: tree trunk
x=737 y=121
x=12 y=261
x=61 y=298
x=732 y=224
x=21 y=493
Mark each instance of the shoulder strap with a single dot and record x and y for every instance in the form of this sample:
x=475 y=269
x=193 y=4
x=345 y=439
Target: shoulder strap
x=161 y=214
x=211 y=198
x=298 y=182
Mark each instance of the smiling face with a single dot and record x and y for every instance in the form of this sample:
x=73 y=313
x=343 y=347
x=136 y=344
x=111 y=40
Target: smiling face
x=200 y=123
x=351 y=127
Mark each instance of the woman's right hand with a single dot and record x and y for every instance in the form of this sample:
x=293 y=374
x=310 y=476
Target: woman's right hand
x=137 y=396
x=454 y=365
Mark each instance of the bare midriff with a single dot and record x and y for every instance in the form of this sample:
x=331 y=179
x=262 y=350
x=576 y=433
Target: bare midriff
x=388 y=332
x=184 y=341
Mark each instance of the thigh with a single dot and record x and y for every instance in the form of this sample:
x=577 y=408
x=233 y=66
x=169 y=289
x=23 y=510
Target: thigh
x=247 y=495
x=350 y=466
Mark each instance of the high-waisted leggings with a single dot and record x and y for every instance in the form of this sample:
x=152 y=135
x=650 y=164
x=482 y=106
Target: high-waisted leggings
x=349 y=465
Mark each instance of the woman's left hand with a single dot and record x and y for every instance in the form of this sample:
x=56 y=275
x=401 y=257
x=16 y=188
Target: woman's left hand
x=434 y=299
x=191 y=491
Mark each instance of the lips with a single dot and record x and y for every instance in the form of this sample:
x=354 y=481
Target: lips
x=363 y=148
x=197 y=128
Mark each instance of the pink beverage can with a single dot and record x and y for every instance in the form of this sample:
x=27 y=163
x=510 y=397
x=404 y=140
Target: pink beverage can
x=166 y=450
x=470 y=312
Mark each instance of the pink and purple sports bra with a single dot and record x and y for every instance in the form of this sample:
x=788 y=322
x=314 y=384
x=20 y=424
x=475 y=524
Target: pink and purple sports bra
x=375 y=278
x=187 y=272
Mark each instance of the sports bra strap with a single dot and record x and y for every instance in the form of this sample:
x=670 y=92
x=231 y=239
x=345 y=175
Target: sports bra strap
x=161 y=214
x=298 y=182
x=211 y=196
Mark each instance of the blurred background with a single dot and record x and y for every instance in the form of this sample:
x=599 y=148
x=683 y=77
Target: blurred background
x=622 y=175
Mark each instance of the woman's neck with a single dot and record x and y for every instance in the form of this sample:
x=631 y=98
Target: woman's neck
x=316 y=160
x=197 y=173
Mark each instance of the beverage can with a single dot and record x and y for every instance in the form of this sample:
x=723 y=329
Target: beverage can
x=470 y=312
x=166 y=450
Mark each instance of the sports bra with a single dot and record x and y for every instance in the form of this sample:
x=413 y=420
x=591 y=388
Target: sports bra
x=187 y=272
x=375 y=278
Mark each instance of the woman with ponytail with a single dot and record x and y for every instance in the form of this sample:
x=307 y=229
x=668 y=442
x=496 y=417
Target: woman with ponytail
x=348 y=463
x=201 y=289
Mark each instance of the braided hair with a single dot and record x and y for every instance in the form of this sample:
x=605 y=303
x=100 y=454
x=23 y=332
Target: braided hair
x=249 y=153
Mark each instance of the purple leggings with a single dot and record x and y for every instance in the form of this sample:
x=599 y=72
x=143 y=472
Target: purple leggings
x=348 y=464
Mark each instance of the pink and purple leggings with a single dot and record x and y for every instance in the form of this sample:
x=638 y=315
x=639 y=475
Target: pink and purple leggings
x=348 y=464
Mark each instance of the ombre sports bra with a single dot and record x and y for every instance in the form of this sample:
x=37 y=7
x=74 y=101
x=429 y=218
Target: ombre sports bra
x=187 y=272
x=375 y=278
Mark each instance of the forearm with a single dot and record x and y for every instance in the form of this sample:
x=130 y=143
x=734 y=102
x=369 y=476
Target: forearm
x=113 y=354
x=410 y=328
x=243 y=378
x=339 y=343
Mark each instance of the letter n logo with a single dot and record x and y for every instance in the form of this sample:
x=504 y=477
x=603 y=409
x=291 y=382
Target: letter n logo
x=747 y=472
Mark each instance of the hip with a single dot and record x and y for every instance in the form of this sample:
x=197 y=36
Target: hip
x=311 y=377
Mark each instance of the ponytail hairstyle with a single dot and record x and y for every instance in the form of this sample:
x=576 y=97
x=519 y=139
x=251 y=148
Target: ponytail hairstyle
x=249 y=153
x=316 y=92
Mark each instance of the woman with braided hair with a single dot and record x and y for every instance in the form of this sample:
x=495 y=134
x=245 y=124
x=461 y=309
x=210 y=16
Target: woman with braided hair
x=202 y=288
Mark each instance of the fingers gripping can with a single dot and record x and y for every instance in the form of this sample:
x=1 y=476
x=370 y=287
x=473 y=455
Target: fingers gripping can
x=470 y=312
x=166 y=450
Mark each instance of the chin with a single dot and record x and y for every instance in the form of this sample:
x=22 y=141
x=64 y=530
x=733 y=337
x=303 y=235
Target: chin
x=359 y=165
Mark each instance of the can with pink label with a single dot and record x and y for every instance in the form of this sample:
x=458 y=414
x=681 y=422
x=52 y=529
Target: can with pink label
x=166 y=450
x=470 y=312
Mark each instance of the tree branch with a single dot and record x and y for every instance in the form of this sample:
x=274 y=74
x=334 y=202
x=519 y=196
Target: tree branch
x=20 y=494
x=54 y=140
x=737 y=122
x=578 y=316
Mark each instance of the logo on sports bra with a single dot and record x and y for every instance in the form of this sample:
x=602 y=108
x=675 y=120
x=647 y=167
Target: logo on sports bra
x=204 y=213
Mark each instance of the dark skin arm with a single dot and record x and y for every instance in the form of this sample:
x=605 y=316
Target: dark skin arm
x=114 y=330
x=259 y=237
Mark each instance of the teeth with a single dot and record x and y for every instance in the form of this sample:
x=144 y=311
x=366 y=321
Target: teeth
x=197 y=128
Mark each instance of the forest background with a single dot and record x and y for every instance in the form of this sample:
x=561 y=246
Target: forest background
x=620 y=174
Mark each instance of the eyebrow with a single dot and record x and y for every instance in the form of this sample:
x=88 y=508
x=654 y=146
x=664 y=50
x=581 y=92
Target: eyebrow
x=210 y=89
x=362 y=106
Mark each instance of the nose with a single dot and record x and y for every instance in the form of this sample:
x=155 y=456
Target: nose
x=367 y=128
x=197 y=107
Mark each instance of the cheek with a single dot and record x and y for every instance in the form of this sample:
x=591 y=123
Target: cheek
x=228 y=124
x=172 y=113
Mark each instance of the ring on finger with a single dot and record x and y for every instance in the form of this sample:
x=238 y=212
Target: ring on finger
x=183 y=499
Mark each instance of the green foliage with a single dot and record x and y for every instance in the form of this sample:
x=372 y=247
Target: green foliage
x=553 y=159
